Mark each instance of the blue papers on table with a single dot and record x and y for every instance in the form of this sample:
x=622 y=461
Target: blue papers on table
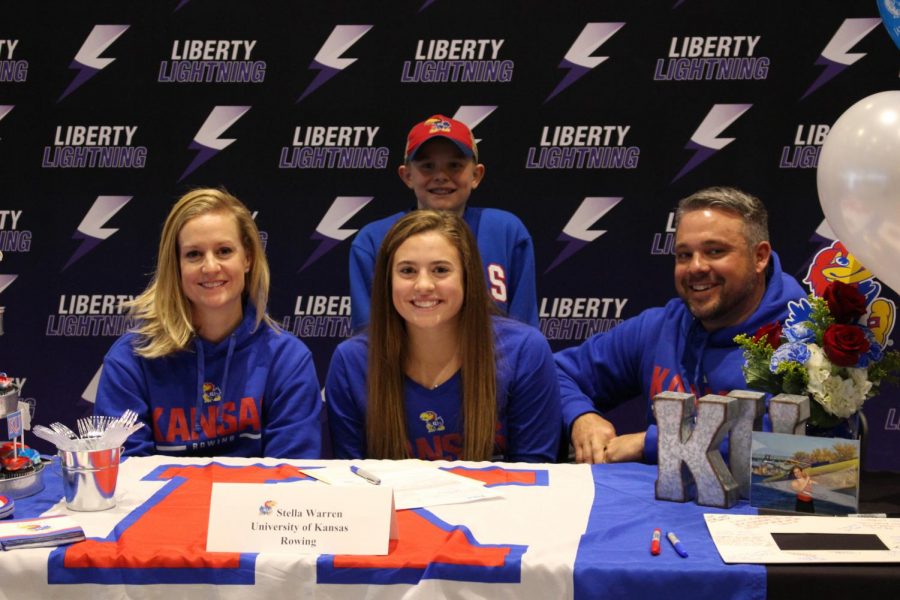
x=416 y=484
x=35 y=533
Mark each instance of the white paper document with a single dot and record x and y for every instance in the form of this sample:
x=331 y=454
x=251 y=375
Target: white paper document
x=417 y=486
x=768 y=539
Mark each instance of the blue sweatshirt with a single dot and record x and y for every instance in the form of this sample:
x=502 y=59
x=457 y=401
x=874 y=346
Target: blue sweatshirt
x=507 y=254
x=253 y=394
x=528 y=412
x=664 y=349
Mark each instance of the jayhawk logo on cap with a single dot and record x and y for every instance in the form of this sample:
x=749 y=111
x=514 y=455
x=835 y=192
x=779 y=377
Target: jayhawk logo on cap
x=438 y=125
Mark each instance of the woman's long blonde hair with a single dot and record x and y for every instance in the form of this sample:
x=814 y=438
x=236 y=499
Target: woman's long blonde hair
x=388 y=345
x=162 y=311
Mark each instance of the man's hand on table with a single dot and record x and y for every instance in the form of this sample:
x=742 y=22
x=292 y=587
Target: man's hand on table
x=626 y=448
x=591 y=435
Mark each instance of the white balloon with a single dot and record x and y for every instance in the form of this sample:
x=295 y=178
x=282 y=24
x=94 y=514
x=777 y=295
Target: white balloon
x=858 y=179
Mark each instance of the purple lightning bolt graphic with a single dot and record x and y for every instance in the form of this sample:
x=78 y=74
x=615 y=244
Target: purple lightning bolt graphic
x=836 y=56
x=426 y=5
x=328 y=61
x=91 y=230
x=88 y=61
x=832 y=69
x=328 y=231
x=575 y=73
x=207 y=142
x=576 y=234
x=701 y=153
x=5 y=109
x=473 y=115
x=578 y=59
x=87 y=244
x=705 y=141
x=6 y=281
x=572 y=246
x=326 y=244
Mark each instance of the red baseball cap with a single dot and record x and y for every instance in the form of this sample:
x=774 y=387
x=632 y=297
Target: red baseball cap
x=441 y=126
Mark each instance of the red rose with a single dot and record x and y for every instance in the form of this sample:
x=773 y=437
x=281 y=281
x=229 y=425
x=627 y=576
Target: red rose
x=771 y=333
x=843 y=344
x=845 y=302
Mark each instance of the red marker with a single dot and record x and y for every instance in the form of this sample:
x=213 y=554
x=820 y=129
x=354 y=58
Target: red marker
x=654 y=544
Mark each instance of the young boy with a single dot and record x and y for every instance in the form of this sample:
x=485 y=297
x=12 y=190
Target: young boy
x=441 y=168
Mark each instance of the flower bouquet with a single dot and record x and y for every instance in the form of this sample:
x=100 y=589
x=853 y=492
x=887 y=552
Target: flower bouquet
x=821 y=351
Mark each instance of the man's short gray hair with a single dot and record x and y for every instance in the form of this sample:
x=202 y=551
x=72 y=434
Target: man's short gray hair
x=748 y=207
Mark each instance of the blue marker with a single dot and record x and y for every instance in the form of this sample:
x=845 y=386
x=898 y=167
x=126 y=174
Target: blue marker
x=676 y=543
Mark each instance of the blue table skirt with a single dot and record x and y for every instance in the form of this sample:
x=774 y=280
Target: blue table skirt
x=614 y=557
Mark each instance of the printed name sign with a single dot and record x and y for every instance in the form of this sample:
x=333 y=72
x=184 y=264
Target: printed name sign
x=300 y=518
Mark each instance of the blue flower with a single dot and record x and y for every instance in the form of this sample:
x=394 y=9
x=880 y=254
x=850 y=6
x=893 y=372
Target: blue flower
x=793 y=351
x=800 y=332
x=875 y=353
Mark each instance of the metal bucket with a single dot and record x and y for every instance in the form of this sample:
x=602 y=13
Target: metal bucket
x=9 y=402
x=89 y=478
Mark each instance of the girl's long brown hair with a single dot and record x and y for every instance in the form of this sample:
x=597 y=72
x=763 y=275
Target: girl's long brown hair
x=388 y=345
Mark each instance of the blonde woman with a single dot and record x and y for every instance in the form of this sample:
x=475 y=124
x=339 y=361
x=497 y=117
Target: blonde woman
x=438 y=374
x=205 y=368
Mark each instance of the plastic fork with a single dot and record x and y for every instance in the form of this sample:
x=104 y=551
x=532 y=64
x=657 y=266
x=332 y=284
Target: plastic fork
x=116 y=434
x=128 y=418
x=45 y=433
x=94 y=426
x=63 y=430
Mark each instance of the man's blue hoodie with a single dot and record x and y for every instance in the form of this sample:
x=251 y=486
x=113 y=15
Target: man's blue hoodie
x=664 y=349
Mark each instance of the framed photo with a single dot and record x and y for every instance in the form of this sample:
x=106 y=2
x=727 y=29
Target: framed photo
x=802 y=474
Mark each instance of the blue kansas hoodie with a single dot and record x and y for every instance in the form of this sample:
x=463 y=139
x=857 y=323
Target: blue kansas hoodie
x=255 y=393
x=664 y=349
